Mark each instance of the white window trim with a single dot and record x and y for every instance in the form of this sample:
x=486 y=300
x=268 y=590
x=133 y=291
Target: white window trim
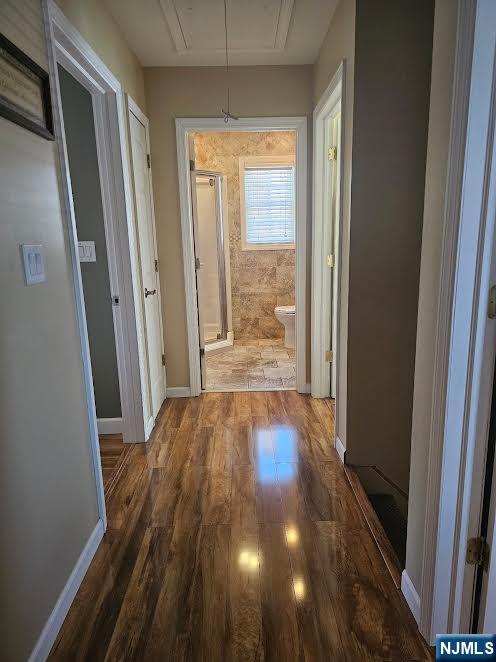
x=266 y=161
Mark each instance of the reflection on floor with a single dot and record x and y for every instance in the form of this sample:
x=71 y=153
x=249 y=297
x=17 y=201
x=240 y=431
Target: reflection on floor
x=236 y=536
x=113 y=454
x=252 y=364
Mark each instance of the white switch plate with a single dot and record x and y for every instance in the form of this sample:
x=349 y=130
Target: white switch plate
x=34 y=265
x=87 y=251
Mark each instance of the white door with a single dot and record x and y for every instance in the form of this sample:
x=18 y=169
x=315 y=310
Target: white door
x=331 y=192
x=155 y=384
x=200 y=285
x=335 y=188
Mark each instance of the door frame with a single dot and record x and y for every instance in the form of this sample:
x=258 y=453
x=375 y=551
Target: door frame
x=187 y=126
x=464 y=357
x=322 y=302
x=134 y=109
x=221 y=248
x=67 y=47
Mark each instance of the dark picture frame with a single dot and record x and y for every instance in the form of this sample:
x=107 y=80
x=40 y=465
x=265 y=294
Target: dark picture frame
x=24 y=91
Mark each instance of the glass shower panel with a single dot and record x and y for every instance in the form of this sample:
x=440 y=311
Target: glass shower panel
x=211 y=256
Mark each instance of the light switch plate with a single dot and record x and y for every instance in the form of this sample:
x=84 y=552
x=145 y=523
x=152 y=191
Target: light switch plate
x=87 y=251
x=34 y=264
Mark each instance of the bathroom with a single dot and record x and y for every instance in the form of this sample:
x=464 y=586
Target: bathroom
x=243 y=187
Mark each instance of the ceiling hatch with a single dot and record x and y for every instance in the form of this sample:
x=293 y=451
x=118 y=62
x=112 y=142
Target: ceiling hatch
x=257 y=25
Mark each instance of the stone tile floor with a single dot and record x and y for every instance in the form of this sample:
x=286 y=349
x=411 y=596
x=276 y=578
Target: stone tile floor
x=261 y=365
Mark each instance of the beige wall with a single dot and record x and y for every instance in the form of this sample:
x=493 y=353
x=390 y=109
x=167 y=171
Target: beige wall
x=200 y=92
x=393 y=55
x=93 y=20
x=47 y=485
x=47 y=491
x=260 y=280
x=338 y=45
x=443 y=58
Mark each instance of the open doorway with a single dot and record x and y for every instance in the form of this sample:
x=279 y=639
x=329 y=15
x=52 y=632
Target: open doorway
x=82 y=155
x=243 y=207
x=328 y=246
x=244 y=223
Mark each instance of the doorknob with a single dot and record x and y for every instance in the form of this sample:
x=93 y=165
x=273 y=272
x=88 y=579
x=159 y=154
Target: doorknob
x=149 y=292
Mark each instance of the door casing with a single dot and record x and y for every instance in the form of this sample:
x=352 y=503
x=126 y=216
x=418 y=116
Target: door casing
x=185 y=127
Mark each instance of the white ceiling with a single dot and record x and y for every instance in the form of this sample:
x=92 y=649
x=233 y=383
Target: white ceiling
x=191 y=32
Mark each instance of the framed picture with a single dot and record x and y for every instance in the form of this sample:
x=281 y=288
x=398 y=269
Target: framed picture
x=24 y=91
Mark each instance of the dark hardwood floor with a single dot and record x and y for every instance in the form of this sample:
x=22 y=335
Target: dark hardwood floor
x=113 y=455
x=236 y=536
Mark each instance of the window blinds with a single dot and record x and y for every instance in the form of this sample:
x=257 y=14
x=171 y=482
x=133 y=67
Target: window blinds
x=270 y=205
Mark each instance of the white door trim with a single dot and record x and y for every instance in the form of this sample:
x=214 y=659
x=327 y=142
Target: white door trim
x=134 y=109
x=321 y=278
x=185 y=127
x=67 y=47
x=463 y=368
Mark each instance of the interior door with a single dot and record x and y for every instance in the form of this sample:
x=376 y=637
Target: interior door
x=335 y=188
x=155 y=387
x=198 y=266
x=484 y=600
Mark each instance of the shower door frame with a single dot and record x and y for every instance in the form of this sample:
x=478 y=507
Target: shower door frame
x=221 y=257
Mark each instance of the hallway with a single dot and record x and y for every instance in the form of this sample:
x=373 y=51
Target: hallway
x=235 y=536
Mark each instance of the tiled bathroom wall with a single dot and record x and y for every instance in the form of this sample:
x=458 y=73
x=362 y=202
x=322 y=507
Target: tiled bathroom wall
x=260 y=280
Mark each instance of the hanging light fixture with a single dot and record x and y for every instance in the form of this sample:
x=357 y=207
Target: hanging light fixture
x=226 y=113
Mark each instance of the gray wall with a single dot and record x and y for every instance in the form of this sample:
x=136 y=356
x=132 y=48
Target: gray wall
x=47 y=489
x=83 y=163
x=393 y=50
x=443 y=60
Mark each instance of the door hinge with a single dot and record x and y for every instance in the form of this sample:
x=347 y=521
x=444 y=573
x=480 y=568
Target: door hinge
x=478 y=552
x=163 y=359
x=156 y=265
x=332 y=154
x=197 y=263
x=191 y=165
x=330 y=261
x=329 y=355
x=202 y=351
x=491 y=305
x=148 y=161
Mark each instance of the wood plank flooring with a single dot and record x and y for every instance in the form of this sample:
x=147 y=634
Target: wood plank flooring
x=113 y=455
x=235 y=536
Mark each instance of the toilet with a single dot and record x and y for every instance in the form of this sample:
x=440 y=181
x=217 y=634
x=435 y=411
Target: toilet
x=286 y=315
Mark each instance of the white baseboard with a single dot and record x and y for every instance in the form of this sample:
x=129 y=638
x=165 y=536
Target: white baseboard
x=109 y=425
x=411 y=596
x=338 y=445
x=49 y=633
x=306 y=388
x=178 y=392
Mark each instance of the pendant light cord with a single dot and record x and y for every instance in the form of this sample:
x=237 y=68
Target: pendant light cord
x=227 y=61
x=227 y=113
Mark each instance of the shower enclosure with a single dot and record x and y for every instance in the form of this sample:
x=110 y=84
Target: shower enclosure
x=211 y=261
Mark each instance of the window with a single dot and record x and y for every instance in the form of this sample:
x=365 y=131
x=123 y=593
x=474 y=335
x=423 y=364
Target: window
x=267 y=192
